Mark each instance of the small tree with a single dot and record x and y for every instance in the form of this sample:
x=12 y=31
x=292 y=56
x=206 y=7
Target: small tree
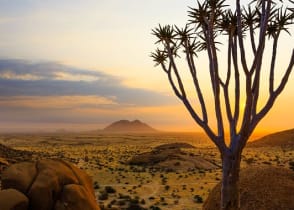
x=208 y=21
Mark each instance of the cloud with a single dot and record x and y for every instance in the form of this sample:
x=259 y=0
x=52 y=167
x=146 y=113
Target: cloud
x=49 y=96
x=55 y=102
x=46 y=71
x=25 y=78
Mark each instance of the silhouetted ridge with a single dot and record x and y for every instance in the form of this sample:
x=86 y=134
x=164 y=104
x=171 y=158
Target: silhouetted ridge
x=283 y=139
x=129 y=126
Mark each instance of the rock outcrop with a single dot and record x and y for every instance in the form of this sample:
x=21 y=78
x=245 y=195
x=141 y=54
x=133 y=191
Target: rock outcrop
x=47 y=184
x=171 y=157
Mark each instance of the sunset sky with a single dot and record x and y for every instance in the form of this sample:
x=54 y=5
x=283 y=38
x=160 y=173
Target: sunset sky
x=82 y=64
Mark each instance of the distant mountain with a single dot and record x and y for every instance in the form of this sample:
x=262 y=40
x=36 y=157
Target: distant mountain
x=283 y=139
x=124 y=126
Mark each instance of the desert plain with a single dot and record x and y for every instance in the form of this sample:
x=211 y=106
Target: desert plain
x=157 y=170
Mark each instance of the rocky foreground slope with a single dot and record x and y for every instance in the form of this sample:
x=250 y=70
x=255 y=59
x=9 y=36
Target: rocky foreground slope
x=266 y=187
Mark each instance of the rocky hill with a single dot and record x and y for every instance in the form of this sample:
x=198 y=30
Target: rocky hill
x=172 y=157
x=125 y=126
x=282 y=139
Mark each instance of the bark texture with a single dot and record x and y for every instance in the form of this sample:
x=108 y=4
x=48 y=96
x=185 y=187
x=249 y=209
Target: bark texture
x=230 y=198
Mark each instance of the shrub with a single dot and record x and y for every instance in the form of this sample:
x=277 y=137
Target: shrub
x=198 y=199
x=103 y=196
x=110 y=189
x=249 y=161
x=155 y=208
x=151 y=198
x=291 y=164
x=133 y=206
x=96 y=185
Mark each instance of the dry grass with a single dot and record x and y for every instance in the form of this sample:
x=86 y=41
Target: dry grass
x=104 y=157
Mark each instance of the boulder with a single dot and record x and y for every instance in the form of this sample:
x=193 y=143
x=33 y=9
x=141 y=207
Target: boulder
x=75 y=197
x=19 y=176
x=13 y=199
x=82 y=177
x=51 y=184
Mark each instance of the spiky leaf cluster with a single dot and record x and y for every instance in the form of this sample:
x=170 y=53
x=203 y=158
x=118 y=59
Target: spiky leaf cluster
x=282 y=19
x=213 y=18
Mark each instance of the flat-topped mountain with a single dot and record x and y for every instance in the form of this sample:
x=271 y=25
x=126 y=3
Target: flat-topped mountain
x=283 y=139
x=129 y=126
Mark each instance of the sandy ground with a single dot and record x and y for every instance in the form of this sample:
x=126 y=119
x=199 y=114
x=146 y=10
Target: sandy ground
x=104 y=157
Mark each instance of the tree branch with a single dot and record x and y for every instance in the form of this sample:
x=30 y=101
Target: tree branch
x=274 y=95
x=226 y=84
x=214 y=61
x=174 y=67
x=174 y=87
x=193 y=72
x=237 y=80
x=218 y=141
x=273 y=61
x=251 y=31
x=240 y=38
x=259 y=55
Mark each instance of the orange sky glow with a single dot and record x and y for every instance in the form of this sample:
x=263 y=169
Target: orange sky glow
x=80 y=65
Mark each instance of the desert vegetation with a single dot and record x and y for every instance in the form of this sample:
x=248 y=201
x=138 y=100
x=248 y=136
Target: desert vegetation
x=171 y=183
x=227 y=66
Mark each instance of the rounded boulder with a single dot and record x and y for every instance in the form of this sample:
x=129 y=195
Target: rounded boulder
x=13 y=199
x=51 y=184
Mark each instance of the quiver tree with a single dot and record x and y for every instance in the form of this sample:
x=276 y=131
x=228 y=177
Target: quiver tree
x=248 y=30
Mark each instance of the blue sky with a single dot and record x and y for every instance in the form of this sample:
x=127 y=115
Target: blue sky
x=109 y=38
x=86 y=63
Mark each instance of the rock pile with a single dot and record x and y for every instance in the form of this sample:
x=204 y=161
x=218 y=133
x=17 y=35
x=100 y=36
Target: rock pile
x=46 y=185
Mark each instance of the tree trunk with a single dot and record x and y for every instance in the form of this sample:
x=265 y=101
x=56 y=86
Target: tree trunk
x=230 y=199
